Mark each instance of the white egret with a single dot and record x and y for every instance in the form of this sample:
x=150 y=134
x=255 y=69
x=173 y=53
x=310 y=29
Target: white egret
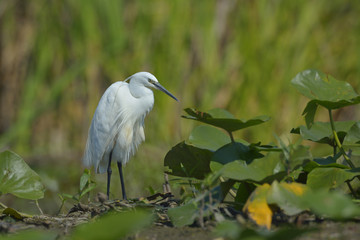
x=117 y=127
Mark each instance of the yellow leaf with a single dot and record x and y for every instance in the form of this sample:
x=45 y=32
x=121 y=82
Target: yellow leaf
x=296 y=188
x=257 y=207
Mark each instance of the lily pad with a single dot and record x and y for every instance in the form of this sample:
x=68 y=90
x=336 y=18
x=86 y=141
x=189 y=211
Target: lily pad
x=223 y=119
x=17 y=178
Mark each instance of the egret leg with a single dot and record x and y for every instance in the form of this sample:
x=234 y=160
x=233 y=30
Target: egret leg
x=109 y=172
x=122 y=180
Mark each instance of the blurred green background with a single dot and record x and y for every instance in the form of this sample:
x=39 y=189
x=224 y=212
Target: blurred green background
x=58 y=57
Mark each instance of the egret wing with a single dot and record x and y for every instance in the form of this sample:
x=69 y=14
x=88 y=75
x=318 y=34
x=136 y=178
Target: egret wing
x=103 y=129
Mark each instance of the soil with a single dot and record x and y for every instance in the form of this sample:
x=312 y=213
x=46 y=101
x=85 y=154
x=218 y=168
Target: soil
x=162 y=228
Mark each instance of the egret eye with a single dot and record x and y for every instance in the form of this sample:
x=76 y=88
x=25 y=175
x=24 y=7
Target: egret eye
x=150 y=81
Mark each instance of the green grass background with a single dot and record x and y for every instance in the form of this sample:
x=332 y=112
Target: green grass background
x=58 y=57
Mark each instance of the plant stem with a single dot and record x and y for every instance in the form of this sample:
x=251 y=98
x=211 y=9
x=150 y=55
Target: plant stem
x=192 y=188
x=338 y=141
x=351 y=189
x=231 y=137
x=38 y=206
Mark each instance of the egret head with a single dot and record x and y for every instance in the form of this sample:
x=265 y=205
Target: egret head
x=148 y=80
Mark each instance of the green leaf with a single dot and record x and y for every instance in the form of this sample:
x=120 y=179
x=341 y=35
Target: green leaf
x=309 y=113
x=235 y=151
x=330 y=178
x=207 y=137
x=89 y=188
x=223 y=119
x=187 y=161
x=352 y=139
x=243 y=192
x=17 y=178
x=288 y=196
x=327 y=162
x=353 y=135
x=260 y=170
x=66 y=196
x=228 y=230
x=331 y=204
x=324 y=90
x=225 y=188
x=220 y=113
x=296 y=156
x=183 y=215
x=114 y=226
x=84 y=179
x=321 y=132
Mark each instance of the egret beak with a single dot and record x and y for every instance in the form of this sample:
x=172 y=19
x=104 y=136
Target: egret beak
x=161 y=88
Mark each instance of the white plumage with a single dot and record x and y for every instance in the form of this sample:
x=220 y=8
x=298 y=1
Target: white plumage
x=117 y=127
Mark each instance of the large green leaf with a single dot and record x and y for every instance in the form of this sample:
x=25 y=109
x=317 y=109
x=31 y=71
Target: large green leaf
x=321 y=132
x=183 y=215
x=353 y=136
x=240 y=170
x=114 y=226
x=207 y=137
x=330 y=178
x=235 y=151
x=288 y=196
x=187 y=161
x=323 y=90
x=17 y=178
x=325 y=162
x=223 y=119
x=352 y=139
x=261 y=170
x=331 y=204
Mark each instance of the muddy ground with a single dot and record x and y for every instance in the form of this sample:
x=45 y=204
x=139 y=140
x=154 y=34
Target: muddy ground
x=162 y=228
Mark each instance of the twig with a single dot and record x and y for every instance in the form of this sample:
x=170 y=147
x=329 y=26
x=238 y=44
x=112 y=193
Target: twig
x=2 y=205
x=231 y=192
